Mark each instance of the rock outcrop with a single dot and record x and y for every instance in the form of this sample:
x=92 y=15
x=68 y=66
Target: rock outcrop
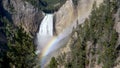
x=70 y=13
x=64 y=16
x=23 y=13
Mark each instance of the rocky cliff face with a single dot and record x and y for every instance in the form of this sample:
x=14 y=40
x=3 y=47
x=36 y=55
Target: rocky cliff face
x=70 y=13
x=64 y=16
x=22 y=13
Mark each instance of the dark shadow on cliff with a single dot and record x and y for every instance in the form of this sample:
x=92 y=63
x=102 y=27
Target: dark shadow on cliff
x=3 y=39
x=4 y=12
x=35 y=35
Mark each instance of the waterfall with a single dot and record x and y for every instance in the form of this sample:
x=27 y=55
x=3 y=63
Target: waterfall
x=46 y=27
x=45 y=32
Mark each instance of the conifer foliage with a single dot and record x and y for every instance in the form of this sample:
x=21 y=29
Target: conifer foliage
x=20 y=51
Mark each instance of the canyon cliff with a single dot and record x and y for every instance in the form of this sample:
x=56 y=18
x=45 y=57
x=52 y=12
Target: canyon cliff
x=22 y=13
x=70 y=13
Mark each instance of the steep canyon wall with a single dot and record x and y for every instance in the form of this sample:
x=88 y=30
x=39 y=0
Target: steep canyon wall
x=69 y=13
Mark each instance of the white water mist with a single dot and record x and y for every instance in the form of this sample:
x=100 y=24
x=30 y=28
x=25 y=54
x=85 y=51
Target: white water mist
x=45 y=32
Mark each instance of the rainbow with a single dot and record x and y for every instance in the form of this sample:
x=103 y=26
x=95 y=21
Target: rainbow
x=54 y=44
x=53 y=41
x=50 y=47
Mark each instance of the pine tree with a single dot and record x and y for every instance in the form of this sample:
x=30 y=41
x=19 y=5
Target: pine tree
x=21 y=50
x=53 y=63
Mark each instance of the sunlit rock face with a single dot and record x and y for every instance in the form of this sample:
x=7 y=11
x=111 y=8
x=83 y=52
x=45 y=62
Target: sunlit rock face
x=69 y=13
x=64 y=16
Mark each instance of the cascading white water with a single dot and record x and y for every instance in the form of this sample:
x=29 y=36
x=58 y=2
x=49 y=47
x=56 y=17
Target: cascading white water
x=45 y=32
x=46 y=27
